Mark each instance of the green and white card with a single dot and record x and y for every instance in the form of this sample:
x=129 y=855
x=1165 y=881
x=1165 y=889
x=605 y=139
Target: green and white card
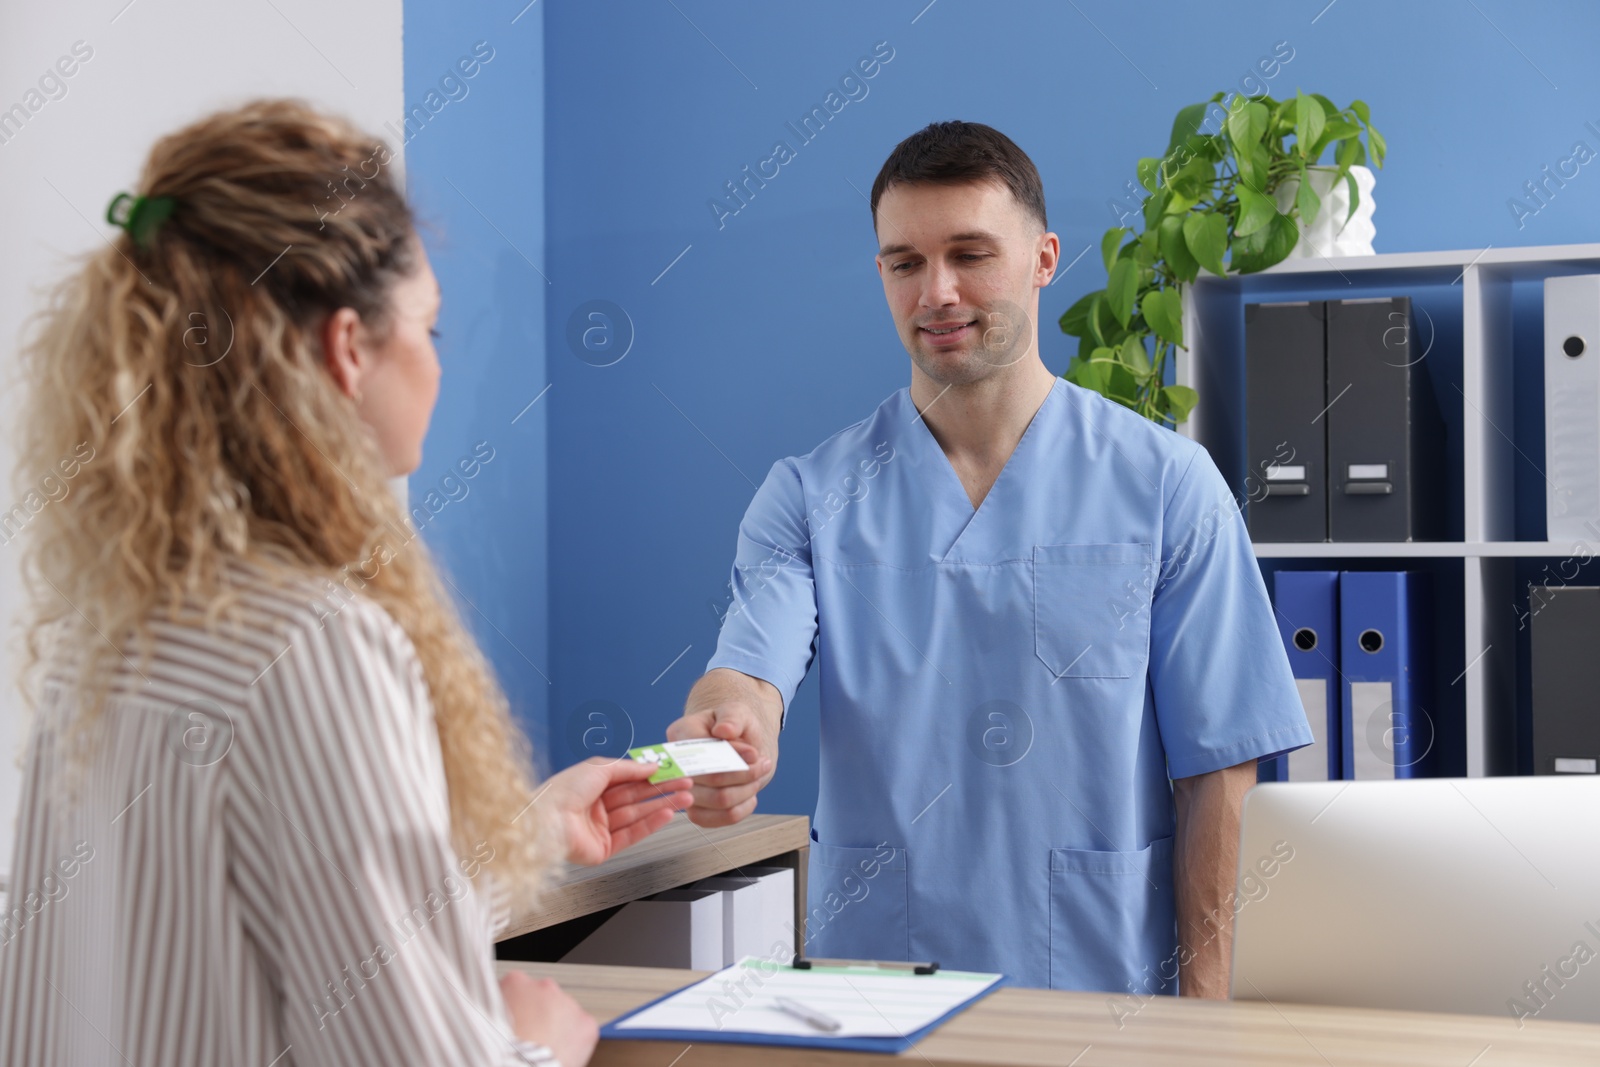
x=700 y=755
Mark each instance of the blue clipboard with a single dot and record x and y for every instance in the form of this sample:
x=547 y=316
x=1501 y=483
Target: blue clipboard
x=821 y=1040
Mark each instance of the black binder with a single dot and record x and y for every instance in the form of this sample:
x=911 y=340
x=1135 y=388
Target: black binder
x=1286 y=445
x=1566 y=677
x=1385 y=436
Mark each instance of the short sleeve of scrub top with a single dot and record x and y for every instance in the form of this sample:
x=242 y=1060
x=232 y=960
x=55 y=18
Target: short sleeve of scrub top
x=1218 y=700
x=770 y=629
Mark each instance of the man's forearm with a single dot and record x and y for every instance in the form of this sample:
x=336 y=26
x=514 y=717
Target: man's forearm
x=1205 y=865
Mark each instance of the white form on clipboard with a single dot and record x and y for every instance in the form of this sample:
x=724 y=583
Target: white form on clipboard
x=867 y=1001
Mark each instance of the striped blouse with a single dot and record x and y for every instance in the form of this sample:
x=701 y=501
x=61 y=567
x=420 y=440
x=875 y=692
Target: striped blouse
x=256 y=868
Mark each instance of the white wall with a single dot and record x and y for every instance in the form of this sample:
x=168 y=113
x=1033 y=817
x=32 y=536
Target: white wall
x=155 y=65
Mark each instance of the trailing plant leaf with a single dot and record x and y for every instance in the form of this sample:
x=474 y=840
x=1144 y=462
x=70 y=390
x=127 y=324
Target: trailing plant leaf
x=1121 y=385
x=1145 y=251
x=1175 y=250
x=1075 y=320
x=1181 y=199
x=1379 y=147
x=1207 y=236
x=1248 y=125
x=1180 y=400
x=1110 y=243
x=1122 y=288
x=1306 y=200
x=1308 y=122
x=1163 y=310
x=1255 y=211
x=1186 y=123
x=1095 y=373
x=1266 y=247
x=1133 y=356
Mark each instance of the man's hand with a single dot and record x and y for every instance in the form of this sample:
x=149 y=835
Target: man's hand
x=746 y=712
x=603 y=806
x=1205 y=867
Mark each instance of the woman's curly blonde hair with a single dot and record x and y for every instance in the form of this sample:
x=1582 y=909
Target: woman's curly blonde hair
x=256 y=456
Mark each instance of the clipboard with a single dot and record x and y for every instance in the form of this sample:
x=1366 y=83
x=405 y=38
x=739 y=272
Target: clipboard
x=735 y=1005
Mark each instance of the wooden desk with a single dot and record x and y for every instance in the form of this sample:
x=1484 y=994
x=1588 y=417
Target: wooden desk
x=1028 y=1027
x=680 y=853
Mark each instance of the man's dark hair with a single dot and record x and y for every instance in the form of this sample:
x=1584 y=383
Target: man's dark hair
x=955 y=153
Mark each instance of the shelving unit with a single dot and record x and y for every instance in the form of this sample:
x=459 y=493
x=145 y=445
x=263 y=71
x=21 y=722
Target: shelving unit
x=1479 y=316
x=1411 y=549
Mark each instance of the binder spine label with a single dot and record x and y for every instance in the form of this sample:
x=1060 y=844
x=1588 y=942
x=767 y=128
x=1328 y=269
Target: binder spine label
x=1372 y=719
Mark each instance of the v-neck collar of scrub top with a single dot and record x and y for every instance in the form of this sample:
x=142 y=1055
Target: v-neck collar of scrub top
x=950 y=480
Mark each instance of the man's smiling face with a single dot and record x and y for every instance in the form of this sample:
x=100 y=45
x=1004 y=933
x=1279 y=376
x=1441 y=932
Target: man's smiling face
x=960 y=264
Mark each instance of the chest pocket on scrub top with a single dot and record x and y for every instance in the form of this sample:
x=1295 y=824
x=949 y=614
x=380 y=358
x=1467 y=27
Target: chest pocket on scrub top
x=1091 y=608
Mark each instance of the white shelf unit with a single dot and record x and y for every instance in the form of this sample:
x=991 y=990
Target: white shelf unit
x=1477 y=356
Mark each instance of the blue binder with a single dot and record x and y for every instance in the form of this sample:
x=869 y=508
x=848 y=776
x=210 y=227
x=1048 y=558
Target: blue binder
x=1385 y=657
x=1307 y=607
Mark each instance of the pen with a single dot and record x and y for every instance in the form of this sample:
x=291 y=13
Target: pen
x=807 y=1015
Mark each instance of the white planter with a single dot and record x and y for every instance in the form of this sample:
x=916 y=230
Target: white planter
x=1329 y=234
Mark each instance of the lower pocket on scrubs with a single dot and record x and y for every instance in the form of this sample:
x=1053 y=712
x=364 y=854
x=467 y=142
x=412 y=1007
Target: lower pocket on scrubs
x=1113 y=922
x=856 y=902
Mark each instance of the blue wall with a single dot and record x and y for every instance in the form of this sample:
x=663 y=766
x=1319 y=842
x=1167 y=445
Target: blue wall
x=770 y=331
x=476 y=176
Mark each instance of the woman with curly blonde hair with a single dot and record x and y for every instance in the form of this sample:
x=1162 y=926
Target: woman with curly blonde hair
x=274 y=805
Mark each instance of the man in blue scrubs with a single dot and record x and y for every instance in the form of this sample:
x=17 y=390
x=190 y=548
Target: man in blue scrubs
x=1047 y=659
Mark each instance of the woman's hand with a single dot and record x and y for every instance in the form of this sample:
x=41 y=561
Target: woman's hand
x=545 y=1014
x=605 y=805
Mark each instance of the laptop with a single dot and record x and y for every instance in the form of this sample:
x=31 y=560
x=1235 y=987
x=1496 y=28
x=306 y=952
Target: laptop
x=1475 y=895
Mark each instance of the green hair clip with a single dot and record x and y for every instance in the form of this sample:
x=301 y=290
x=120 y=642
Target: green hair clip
x=139 y=215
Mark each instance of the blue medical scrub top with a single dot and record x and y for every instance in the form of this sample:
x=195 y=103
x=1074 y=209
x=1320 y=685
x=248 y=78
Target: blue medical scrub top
x=1006 y=691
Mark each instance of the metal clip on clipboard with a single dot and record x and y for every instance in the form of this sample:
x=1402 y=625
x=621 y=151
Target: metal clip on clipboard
x=803 y=964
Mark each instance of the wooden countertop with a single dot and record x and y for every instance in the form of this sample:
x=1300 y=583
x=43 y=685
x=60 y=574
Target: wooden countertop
x=682 y=852
x=1028 y=1027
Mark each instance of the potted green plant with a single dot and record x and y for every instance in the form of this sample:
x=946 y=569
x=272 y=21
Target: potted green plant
x=1211 y=203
